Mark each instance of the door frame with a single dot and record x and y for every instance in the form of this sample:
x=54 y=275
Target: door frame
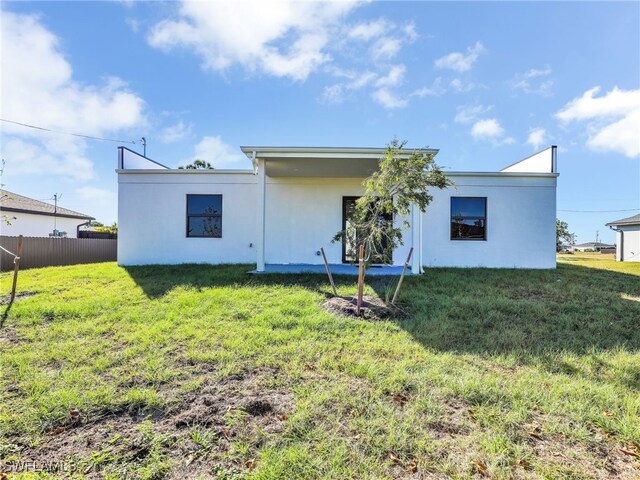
x=346 y=199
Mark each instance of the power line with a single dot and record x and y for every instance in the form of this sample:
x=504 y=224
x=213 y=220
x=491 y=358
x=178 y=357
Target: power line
x=69 y=133
x=601 y=211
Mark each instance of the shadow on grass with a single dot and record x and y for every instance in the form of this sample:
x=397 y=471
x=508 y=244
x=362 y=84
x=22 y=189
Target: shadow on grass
x=528 y=312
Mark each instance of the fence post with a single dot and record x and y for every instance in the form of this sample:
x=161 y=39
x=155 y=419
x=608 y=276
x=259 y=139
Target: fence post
x=16 y=267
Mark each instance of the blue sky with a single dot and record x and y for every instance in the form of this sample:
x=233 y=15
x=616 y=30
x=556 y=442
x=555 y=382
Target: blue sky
x=486 y=83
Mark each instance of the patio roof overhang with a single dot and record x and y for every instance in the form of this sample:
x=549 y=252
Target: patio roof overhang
x=320 y=161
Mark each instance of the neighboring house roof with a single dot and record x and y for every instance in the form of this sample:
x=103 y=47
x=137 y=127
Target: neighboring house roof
x=594 y=245
x=12 y=202
x=634 y=220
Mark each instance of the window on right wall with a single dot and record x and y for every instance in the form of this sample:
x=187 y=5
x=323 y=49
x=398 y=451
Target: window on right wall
x=468 y=218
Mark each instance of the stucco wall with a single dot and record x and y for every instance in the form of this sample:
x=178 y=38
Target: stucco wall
x=521 y=212
x=38 y=225
x=630 y=246
x=152 y=218
x=304 y=214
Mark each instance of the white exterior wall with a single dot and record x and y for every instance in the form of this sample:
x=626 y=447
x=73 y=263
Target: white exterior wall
x=630 y=246
x=152 y=216
x=521 y=213
x=31 y=225
x=304 y=214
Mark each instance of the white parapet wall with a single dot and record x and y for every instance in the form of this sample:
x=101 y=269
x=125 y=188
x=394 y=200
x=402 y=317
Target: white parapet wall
x=541 y=162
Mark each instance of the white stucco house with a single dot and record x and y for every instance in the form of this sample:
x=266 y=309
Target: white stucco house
x=627 y=238
x=34 y=218
x=291 y=201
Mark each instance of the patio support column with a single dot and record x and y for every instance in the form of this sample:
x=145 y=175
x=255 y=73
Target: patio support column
x=416 y=240
x=262 y=191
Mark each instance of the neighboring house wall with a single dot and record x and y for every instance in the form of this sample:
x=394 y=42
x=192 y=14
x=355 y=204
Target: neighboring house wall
x=152 y=218
x=521 y=232
x=31 y=225
x=628 y=248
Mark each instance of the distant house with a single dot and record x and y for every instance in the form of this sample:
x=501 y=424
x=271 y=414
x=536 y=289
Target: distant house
x=592 y=247
x=33 y=218
x=628 y=235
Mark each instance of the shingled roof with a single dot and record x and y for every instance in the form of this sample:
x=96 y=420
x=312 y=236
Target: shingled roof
x=634 y=220
x=12 y=202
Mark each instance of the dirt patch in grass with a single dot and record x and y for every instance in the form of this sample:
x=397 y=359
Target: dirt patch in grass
x=600 y=460
x=372 y=308
x=9 y=336
x=5 y=299
x=190 y=438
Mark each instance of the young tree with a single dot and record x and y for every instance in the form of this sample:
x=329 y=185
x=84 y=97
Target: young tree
x=563 y=235
x=197 y=165
x=399 y=182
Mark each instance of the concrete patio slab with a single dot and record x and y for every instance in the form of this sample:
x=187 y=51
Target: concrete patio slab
x=336 y=269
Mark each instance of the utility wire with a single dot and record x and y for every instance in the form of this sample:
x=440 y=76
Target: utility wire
x=601 y=211
x=68 y=133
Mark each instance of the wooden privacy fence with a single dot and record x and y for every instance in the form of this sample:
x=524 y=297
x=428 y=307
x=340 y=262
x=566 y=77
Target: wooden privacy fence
x=46 y=252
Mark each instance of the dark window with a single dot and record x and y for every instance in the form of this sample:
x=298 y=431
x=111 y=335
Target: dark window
x=204 y=216
x=468 y=218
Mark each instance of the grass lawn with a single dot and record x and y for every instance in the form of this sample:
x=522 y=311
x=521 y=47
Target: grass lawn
x=206 y=372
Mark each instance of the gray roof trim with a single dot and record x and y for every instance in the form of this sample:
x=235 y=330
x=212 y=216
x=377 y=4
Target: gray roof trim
x=12 y=202
x=633 y=220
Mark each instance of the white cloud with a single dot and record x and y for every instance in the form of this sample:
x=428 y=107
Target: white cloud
x=386 y=48
x=461 y=86
x=98 y=202
x=333 y=94
x=41 y=91
x=96 y=193
x=133 y=24
x=410 y=31
x=487 y=128
x=383 y=93
x=393 y=78
x=537 y=137
x=459 y=61
x=613 y=119
x=285 y=38
x=532 y=81
x=219 y=154
x=438 y=87
x=491 y=130
x=435 y=90
x=388 y=99
x=622 y=136
x=361 y=80
x=175 y=133
x=367 y=31
x=469 y=113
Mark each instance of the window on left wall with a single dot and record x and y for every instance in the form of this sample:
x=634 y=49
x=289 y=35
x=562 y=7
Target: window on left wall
x=204 y=216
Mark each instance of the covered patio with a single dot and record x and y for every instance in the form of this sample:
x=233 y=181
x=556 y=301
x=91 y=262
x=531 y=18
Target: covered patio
x=299 y=208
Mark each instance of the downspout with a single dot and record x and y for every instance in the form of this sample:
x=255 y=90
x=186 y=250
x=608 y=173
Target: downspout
x=81 y=225
x=621 y=246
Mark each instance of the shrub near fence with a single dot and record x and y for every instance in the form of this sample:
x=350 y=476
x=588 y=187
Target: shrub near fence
x=46 y=252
